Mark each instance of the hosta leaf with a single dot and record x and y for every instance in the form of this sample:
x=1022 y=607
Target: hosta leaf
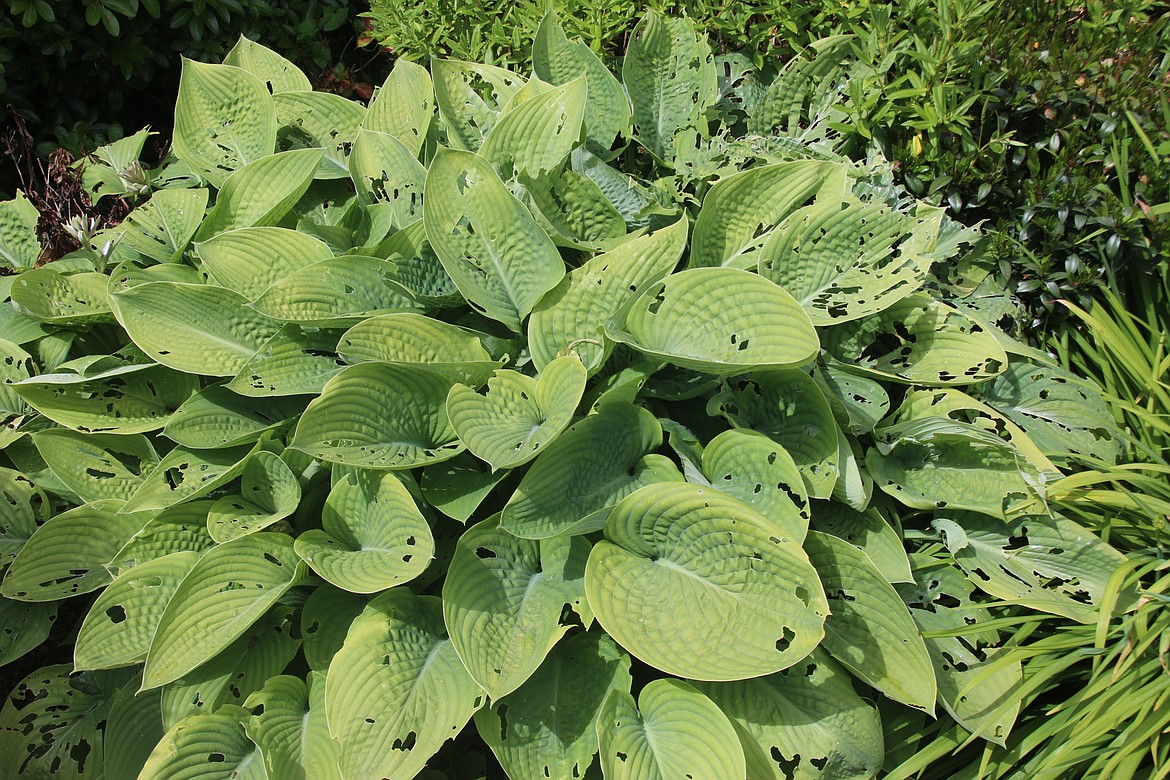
x=24 y=625
x=870 y=631
x=558 y=61
x=184 y=474
x=760 y=473
x=269 y=492
x=638 y=204
x=404 y=105
x=208 y=746
x=868 y=532
x=408 y=339
x=519 y=414
x=384 y=170
x=470 y=97
x=1047 y=563
x=251 y=259
x=579 y=307
x=859 y=403
x=374 y=536
x=806 y=722
x=457 y=487
x=1061 y=413
x=673 y=731
x=843 y=260
x=854 y=486
x=718 y=321
x=741 y=209
x=670 y=77
x=128 y=275
x=935 y=463
x=398 y=647
x=132 y=399
x=15 y=365
x=419 y=270
x=120 y=624
x=502 y=602
x=325 y=619
x=177 y=529
x=224 y=119
x=789 y=408
x=918 y=340
x=262 y=192
x=290 y=729
x=67 y=555
x=699 y=585
x=547 y=728
x=227 y=591
x=277 y=73
x=573 y=210
x=97 y=466
x=162 y=228
x=133 y=728
x=261 y=652
x=53 y=723
x=296 y=361
x=594 y=464
x=337 y=291
x=376 y=415
x=19 y=247
x=319 y=120
x=536 y=136
x=499 y=258
x=194 y=328
x=216 y=417
x=60 y=299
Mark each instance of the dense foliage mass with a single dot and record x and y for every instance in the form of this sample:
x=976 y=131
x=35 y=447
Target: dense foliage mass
x=613 y=425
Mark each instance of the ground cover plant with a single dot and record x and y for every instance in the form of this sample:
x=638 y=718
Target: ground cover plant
x=607 y=425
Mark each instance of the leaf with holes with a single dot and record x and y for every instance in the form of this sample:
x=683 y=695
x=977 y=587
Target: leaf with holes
x=319 y=120
x=16 y=365
x=249 y=260
x=536 y=136
x=699 y=585
x=502 y=602
x=269 y=492
x=717 y=321
x=217 y=417
x=407 y=339
x=374 y=536
x=868 y=532
x=62 y=299
x=277 y=73
x=210 y=746
x=296 y=361
x=185 y=474
x=755 y=469
x=385 y=171
x=336 y=292
x=288 y=725
x=858 y=402
x=519 y=414
x=19 y=247
x=97 y=466
x=326 y=616
x=574 y=211
x=162 y=228
x=24 y=625
x=672 y=731
x=470 y=97
x=404 y=106
x=229 y=589
x=399 y=647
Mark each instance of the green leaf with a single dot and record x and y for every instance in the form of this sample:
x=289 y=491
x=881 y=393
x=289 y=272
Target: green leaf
x=384 y=170
x=319 y=120
x=184 y=474
x=806 y=722
x=376 y=415
x=870 y=631
x=597 y=462
x=673 y=731
x=457 y=487
x=407 y=339
x=740 y=210
x=194 y=328
x=335 y=292
x=210 y=746
x=118 y=627
x=760 y=473
x=419 y=270
x=162 y=228
x=133 y=728
x=499 y=258
x=177 y=529
x=269 y=492
x=15 y=365
x=227 y=591
x=548 y=727
x=579 y=307
x=859 y=403
x=843 y=260
x=536 y=136
x=97 y=466
x=574 y=211
x=26 y=625
x=404 y=105
x=290 y=729
x=296 y=361
x=216 y=417
x=558 y=61
x=918 y=340
x=262 y=192
x=669 y=75
x=398 y=646
x=59 y=299
x=755 y=324
x=67 y=555
x=502 y=602
x=374 y=536
x=325 y=619
x=519 y=414
x=1047 y=563
x=470 y=97
x=277 y=73
x=224 y=119
x=868 y=532
x=699 y=585
x=19 y=247
x=251 y=259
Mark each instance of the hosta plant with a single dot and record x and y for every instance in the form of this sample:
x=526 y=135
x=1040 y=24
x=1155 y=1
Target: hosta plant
x=605 y=425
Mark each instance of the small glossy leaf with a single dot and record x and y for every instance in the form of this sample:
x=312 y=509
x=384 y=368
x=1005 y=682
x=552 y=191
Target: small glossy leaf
x=269 y=492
